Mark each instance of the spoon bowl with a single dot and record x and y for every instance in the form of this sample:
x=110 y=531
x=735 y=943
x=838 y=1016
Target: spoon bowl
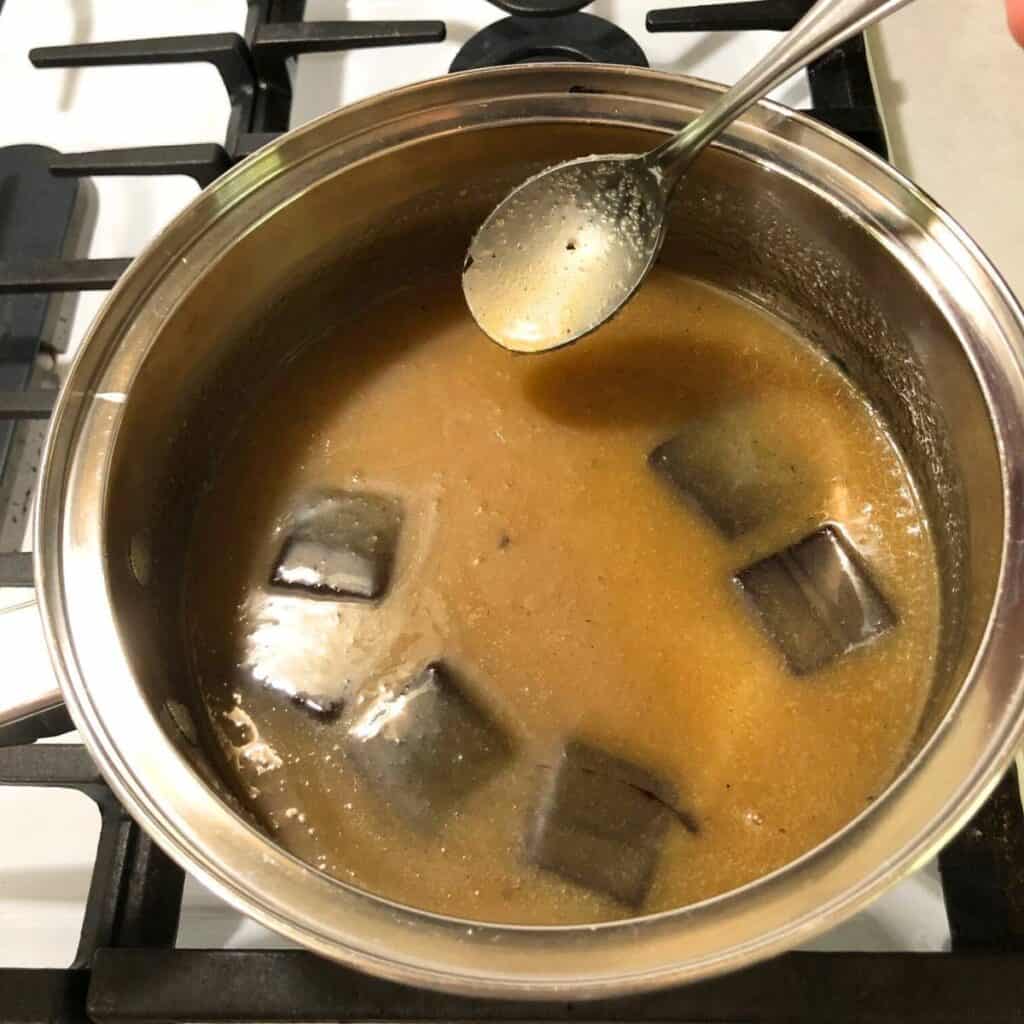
x=564 y=251
x=567 y=249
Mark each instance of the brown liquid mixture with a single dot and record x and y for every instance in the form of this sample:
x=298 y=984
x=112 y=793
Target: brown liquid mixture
x=575 y=591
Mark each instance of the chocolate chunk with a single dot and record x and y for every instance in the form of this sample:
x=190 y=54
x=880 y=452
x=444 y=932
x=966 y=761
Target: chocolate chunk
x=601 y=822
x=816 y=600
x=720 y=465
x=424 y=744
x=319 y=706
x=341 y=545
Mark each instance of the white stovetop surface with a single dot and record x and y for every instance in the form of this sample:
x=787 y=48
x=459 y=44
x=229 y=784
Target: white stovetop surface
x=951 y=82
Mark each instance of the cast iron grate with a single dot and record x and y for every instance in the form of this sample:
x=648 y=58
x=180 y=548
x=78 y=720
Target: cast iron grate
x=554 y=31
x=126 y=967
x=842 y=91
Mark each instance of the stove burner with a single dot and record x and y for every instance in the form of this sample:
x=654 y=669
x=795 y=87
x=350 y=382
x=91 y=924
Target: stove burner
x=540 y=8
x=128 y=966
x=580 y=37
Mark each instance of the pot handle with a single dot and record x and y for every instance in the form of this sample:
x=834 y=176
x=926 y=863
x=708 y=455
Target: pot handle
x=31 y=704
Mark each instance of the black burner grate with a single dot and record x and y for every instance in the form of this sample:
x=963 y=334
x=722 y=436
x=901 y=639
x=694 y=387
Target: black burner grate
x=581 y=37
x=841 y=88
x=126 y=967
x=252 y=70
x=37 y=228
x=540 y=8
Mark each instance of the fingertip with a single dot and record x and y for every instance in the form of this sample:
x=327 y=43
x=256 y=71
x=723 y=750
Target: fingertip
x=1015 y=18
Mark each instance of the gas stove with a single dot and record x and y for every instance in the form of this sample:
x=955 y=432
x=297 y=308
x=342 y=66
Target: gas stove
x=116 y=114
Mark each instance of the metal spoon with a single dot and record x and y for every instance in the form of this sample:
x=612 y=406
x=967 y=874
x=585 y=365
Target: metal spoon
x=565 y=250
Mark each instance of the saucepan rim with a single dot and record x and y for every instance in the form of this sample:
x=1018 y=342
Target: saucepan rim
x=150 y=770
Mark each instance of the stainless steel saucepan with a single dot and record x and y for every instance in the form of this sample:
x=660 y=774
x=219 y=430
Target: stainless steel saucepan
x=298 y=237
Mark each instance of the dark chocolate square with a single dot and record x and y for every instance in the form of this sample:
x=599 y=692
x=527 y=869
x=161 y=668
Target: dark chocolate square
x=424 y=744
x=601 y=822
x=816 y=599
x=721 y=465
x=341 y=545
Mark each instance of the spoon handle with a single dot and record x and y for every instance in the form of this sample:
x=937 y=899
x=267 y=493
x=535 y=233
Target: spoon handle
x=824 y=26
